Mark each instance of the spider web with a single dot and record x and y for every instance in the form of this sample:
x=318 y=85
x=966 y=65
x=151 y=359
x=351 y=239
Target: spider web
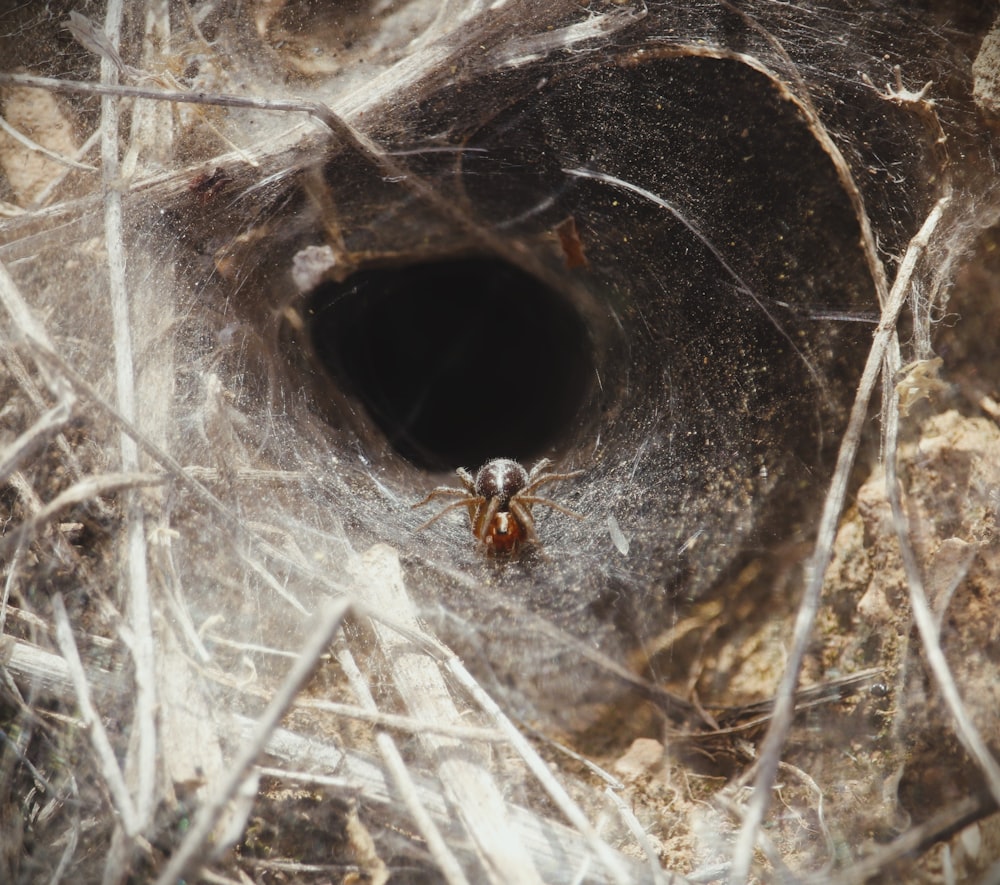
x=692 y=219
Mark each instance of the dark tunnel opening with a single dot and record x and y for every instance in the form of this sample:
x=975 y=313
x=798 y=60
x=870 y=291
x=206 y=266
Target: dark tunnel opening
x=456 y=361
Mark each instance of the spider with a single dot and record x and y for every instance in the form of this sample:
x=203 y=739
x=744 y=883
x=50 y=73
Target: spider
x=499 y=501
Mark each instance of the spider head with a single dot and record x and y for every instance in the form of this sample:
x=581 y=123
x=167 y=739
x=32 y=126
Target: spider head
x=501 y=478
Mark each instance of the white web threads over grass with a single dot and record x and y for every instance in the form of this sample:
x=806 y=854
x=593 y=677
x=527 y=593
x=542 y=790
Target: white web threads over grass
x=427 y=696
x=327 y=623
x=447 y=863
x=484 y=811
x=516 y=53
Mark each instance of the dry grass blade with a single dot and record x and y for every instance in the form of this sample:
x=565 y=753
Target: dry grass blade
x=92 y=720
x=143 y=762
x=188 y=853
x=36 y=436
x=34 y=146
x=372 y=714
x=116 y=90
x=556 y=791
x=770 y=753
x=25 y=322
x=448 y=864
x=464 y=772
x=85 y=490
x=46 y=676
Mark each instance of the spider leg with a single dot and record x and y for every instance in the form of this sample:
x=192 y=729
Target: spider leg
x=522 y=513
x=538 y=468
x=531 y=499
x=453 y=506
x=540 y=481
x=483 y=517
x=467 y=479
x=442 y=492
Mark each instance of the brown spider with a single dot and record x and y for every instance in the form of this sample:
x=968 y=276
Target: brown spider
x=499 y=501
